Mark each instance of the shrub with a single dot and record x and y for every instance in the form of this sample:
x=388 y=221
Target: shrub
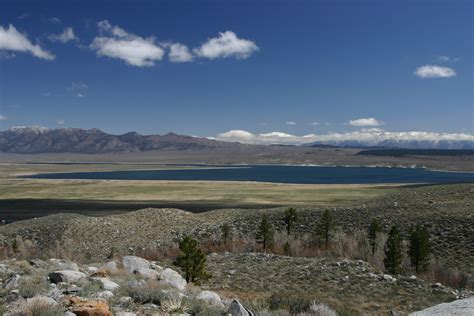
x=31 y=286
x=321 y=310
x=225 y=229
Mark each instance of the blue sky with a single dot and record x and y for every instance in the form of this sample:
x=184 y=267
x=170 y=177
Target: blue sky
x=294 y=67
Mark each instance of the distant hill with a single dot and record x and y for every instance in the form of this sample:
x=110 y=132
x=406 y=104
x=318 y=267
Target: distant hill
x=76 y=140
x=399 y=152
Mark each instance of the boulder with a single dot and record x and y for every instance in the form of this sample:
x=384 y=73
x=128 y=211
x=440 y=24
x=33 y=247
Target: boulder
x=92 y=270
x=173 y=279
x=210 y=298
x=237 y=309
x=13 y=282
x=464 y=307
x=105 y=295
x=110 y=267
x=148 y=273
x=67 y=276
x=133 y=263
x=107 y=284
x=83 y=307
x=60 y=264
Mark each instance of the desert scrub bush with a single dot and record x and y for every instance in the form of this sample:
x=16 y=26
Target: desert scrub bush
x=89 y=288
x=174 y=305
x=148 y=293
x=319 y=309
x=197 y=307
x=32 y=285
x=37 y=307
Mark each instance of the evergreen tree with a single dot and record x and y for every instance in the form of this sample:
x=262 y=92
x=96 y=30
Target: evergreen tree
x=374 y=230
x=225 y=229
x=419 y=250
x=287 y=249
x=290 y=218
x=192 y=260
x=326 y=225
x=265 y=233
x=393 y=252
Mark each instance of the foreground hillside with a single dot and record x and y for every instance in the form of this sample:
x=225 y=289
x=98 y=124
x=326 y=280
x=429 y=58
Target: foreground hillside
x=346 y=276
x=261 y=283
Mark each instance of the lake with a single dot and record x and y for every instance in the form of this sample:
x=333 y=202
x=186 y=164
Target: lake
x=278 y=174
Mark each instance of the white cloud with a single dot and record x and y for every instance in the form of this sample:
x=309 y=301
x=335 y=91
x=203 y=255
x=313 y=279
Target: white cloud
x=448 y=59
x=434 y=71
x=66 y=36
x=314 y=123
x=78 y=85
x=80 y=95
x=227 y=44
x=367 y=137
x=115 y=42
x=290 y=123
x=2 y=117
x=370 y=121
x=179 y=53
x=54 y=20
x=12 y=40
x=60 y=122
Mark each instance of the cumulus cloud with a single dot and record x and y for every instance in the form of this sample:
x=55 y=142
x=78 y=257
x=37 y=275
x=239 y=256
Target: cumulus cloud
x=434 y=71
x=179 y=53
x=66 y=36
x=314 y=123
x=227 y=44
x=370 y=121
x=115 y=42
x=13 y=40
x=290 y=123
x=367 y=137
x=60 y=122
x=2 y=117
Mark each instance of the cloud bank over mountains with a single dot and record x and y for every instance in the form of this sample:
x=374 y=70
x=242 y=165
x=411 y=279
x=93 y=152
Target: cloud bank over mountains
x=366 y=137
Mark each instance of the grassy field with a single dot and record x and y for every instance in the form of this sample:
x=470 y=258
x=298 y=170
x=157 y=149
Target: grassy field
x=191 y=192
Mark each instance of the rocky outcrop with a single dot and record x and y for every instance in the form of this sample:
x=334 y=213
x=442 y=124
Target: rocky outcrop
x=464 y=307
x=83 y=307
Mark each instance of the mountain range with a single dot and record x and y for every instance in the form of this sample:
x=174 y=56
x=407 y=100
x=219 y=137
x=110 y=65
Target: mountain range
x=75 y=140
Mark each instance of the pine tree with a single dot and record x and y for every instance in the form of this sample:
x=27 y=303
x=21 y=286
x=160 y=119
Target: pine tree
x=265 y=233
x=225 y=229
x=326 y=225
x=287 y=249
x=290 y=218
x=419 y=250
x=374 y=230
x=393 y=252
x=192 y=260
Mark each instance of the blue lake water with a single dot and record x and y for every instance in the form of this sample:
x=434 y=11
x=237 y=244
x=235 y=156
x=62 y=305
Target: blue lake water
x=280 y=174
